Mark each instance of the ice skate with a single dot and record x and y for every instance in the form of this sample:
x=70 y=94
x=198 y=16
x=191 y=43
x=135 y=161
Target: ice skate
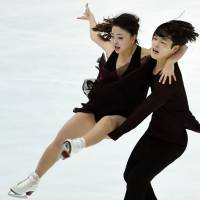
x=66 y=150
x=71 y=147
x=26 y=187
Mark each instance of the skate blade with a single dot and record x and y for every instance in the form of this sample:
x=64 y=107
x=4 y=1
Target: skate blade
x=13 y=194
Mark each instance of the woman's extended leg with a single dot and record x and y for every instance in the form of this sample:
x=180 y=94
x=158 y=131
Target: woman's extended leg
x=77 y=126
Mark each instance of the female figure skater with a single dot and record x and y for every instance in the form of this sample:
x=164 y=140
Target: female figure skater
x=166 y=138
x=110 y=101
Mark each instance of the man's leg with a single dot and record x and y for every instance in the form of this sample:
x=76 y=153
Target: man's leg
x=149 y=157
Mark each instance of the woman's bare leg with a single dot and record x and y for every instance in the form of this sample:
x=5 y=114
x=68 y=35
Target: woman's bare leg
x=77 y=126
x=102 y=128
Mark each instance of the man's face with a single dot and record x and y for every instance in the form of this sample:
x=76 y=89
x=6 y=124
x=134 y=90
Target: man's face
x=161 y=48
x=121 y=39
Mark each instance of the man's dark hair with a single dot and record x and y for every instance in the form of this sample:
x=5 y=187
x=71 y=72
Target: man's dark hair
x=180 y=32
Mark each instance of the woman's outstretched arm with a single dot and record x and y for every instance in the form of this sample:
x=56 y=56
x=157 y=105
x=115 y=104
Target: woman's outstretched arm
x=89 y=16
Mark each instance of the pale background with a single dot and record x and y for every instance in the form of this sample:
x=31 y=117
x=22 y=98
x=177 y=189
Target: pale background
x=45 y=54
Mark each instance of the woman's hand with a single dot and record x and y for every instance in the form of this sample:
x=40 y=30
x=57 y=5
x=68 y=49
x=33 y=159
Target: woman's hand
x=168 y=70
x=87 y=14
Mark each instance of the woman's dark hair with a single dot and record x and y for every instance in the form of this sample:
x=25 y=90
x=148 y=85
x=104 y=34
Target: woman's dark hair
x=126 y=21
x=180 y=32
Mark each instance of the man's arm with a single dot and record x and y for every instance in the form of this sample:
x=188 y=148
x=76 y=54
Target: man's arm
x=191 y=123
x=160 y=95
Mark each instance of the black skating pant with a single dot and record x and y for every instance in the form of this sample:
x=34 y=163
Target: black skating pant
x=149 y=157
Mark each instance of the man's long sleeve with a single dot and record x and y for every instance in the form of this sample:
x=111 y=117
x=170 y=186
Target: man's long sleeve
x=159 y=96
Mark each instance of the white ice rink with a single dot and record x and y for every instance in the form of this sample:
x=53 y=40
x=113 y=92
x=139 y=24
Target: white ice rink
x=45 y=54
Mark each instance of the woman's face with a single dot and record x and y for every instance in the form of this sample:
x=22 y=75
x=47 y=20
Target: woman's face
x=162 y=47
x=121 y=39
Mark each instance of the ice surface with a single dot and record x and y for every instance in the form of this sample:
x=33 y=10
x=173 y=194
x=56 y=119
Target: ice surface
x=45 y=54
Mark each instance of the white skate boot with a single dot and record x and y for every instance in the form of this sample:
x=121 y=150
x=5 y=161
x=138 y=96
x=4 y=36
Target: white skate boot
x=26 y=187
x=71 y=147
